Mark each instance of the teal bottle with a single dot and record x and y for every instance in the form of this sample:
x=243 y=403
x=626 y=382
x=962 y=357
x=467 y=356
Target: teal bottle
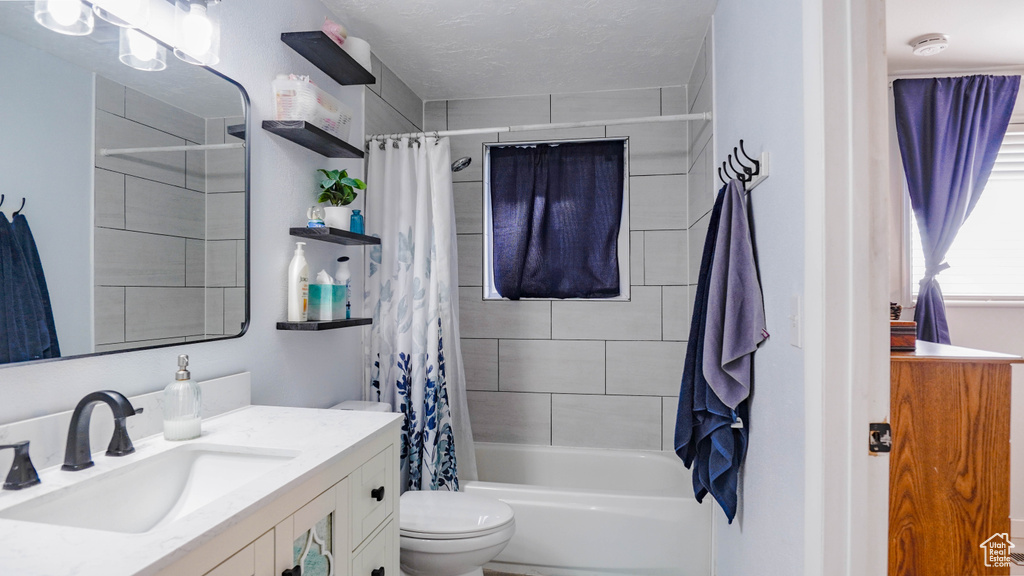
x=355 y=224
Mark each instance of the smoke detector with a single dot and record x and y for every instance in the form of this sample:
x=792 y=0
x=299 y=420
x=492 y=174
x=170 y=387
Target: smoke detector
x=929 y=44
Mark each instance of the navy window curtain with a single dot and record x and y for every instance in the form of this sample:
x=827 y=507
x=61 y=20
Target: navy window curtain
x=556 y=210
x=950 y=131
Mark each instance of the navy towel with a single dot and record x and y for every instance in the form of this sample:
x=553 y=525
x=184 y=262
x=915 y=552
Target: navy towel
x=704 y=437
x=23 y=235
x=23 y=331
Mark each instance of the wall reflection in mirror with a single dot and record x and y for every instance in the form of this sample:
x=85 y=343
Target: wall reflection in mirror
x=136 y=248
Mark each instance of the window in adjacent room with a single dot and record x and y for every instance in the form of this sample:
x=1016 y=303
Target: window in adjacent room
x=556 y=220
x=987 y=258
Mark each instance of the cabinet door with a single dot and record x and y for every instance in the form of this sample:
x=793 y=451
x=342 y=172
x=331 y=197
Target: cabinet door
x=373 y=495
x=316 y=536
x=256 y=559
x=379 y=556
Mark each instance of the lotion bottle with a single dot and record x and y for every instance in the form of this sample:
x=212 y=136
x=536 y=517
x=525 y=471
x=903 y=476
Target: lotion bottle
x=344 y=276
x=298 y=286
x=183 y=405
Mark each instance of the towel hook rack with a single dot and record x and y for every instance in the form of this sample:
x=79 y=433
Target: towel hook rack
x=750 y=177
x=2 y=196
x=18 y=211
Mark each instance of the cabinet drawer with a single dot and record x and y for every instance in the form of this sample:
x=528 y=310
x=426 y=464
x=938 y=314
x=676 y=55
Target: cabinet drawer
x=378 y=555
x=373 y=495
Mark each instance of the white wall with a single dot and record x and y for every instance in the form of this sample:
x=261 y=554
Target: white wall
x=57 y=187
x=288 y=368
x=758 y=96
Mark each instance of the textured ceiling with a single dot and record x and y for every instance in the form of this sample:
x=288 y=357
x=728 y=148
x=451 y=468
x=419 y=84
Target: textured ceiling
x=983 y=34
x=447 y=49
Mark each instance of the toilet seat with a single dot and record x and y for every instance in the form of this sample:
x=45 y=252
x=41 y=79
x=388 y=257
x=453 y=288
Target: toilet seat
x=442 y=515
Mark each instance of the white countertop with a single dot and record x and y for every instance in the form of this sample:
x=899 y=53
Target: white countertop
x=321 y=437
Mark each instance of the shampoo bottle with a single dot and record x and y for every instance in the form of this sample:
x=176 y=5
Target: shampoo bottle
x=183 y=404
x=298 y=285
x=344 y=276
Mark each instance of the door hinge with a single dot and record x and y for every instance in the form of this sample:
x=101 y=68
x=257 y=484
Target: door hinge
x=879 y=437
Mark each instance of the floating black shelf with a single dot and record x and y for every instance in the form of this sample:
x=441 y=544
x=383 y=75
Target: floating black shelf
x=237 y=130
x=334 y=236
x=323 y=53
x=317 y=326
x=305 y=134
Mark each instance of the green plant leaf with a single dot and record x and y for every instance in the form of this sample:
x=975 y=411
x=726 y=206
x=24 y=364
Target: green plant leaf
x=360 y=184
x=324 y=197
x=349 y=182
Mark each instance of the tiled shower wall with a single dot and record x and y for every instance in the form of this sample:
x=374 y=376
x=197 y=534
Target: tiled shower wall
x=391 y=106
x=170 y=227
x=597 y=374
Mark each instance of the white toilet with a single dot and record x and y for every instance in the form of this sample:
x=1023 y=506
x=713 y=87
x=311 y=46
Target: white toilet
x=447 y=533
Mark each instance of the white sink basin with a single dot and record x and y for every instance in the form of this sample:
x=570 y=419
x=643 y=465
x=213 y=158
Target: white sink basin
x=152 y=492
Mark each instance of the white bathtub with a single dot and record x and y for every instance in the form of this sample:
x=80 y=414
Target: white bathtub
x=583 y=511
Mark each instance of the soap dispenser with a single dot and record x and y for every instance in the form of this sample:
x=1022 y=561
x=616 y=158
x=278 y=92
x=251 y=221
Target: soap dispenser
x=183 y=402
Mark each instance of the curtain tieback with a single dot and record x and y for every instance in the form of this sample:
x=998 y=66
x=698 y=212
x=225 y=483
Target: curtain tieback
x=931 y=272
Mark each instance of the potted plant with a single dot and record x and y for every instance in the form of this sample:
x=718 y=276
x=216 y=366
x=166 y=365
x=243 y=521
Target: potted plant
x=339 y=191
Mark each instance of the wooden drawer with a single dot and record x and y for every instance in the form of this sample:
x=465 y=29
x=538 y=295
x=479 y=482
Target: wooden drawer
x=373 y=498
x=379 y=554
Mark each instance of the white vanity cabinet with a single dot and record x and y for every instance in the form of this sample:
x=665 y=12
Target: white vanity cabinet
x=341 y=522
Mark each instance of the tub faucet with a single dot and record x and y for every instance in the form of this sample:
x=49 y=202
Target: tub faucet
x=78 y=455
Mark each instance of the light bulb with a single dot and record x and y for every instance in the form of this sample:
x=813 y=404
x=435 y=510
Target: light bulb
x=64 y=12
x=142 y=46
x=196 y=30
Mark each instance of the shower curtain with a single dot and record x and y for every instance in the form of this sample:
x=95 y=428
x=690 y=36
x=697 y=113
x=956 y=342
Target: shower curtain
x=413 y=353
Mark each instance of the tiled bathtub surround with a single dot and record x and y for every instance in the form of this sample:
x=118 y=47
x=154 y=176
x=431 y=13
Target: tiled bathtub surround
x=170 y=227
x=596 y=374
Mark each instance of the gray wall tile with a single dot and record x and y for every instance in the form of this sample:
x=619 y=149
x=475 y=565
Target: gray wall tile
x=608 y=105
x=109 y=315
x=195 y=263
x=401 y=97
x=225 y=215
x=480 y=357
x=469 y=207
x=381 y=118
x=116 y=132
x=665 y=257
x=700 y=130
x=234 y=310
x=697 y=74
x=701 y=185
x=195 y=170
x=240 y=263
x=645 y=368
x=669 y=408
x=216 y=131
x=675 y=312
x=471 y=253
x=163 y=312
x=510 y=417
x=162 y=116
x=109 y=195
x=435 y=115
x=109 y=96
x=214 y=311
x=126 y=258
x=225 y=170
x=584 y=133
x=638 y=319
x=655 y=148
x=606 y=421
x=673 y=101
x=696 y=236
x=163 y=209
x=657 y=202
x=220 y=263
x=470 y=145
x=375 y=69
x=545 y=366
x=636 y=258
x=503 y=319
x=506 y=111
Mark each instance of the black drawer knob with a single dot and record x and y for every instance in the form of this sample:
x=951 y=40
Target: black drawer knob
x=297 y=571
x=378 y=495
x=378 y=572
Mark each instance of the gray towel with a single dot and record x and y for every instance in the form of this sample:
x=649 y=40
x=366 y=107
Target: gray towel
x=735 y=314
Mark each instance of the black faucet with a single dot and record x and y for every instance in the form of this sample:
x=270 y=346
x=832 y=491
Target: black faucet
x=23 y=473
x=78 y=455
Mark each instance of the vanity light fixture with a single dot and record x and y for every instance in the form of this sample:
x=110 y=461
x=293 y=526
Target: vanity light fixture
x=198 y=35
x=71 y=17
x=124 y=13
x=140 y=51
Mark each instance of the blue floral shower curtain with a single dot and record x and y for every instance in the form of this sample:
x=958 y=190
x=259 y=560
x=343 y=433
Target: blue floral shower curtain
x=413 y=353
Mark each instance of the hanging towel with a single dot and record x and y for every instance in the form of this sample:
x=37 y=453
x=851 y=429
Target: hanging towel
x=23 y=331
x=23 y=235
x=735 y=310
x=704 y=437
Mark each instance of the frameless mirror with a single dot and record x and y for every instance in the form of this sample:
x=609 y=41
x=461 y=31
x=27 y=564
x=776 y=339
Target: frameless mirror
x=134 y=185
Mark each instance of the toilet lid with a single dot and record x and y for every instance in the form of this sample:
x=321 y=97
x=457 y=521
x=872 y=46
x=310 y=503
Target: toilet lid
x=446 y=515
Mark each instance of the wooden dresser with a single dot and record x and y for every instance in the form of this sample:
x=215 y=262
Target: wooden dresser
x=949 y=470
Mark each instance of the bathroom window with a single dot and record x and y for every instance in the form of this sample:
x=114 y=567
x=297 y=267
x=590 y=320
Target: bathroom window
x=556 y=220
x=987 y=257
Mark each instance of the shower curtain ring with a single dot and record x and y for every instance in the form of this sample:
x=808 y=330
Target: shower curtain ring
x=437 y=138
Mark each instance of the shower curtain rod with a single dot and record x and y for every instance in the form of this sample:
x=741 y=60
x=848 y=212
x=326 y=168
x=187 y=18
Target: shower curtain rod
x=182 y=148
x=557 y=125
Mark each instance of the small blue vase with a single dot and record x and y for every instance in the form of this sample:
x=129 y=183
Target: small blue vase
x=356 y=223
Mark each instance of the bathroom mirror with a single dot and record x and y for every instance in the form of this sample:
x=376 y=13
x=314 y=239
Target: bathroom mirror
x=138 y=248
